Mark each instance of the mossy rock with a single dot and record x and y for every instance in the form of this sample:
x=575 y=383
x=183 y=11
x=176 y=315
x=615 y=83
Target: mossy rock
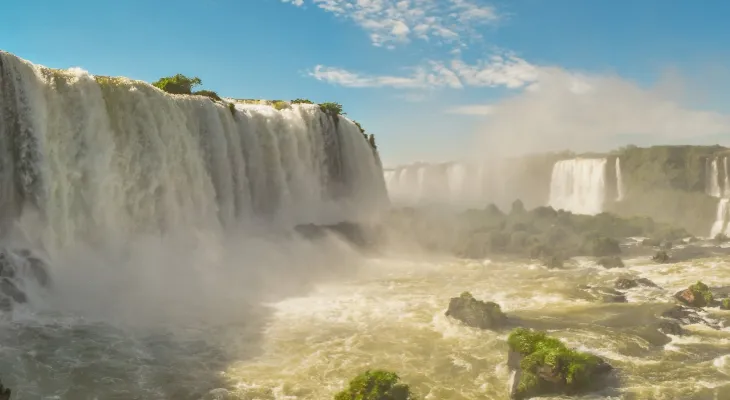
x=627 y=283
x=611 y=262
x=476 y=313
x=725 y=304
x=376 y=385
x=545 y=366
x=661 y=257
x=697 y=295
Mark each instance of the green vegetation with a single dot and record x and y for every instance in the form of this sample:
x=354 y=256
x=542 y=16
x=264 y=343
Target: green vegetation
x=476 y=313
x=376 y=385
x=548 y=366
x=208 y=93
x=702 y=294
x=178 y=84
x=280 y=104
x=541 y=233
x=331 y=108
x=232 y=108
x=725 y=304
x=301 y=101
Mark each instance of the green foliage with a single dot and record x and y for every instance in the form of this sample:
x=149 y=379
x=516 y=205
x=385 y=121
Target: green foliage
x=359 y=127
x=301 y=101
x=725 y=304
x=371 y=140
x=375 y=385
x=574 y=369
x=332 y=108
x=232 y=108
x=703 y=295
x=208 y=93
x=280 y=104
x=178 y=84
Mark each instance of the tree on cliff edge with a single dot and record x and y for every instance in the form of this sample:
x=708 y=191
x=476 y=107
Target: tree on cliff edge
x=178 y=84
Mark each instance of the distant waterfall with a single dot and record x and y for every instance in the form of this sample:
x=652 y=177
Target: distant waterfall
x=446 y=183
x=579 y=185
x=619 y=181
x=99 y=156
x=721 y=220
x=712 y=186
x=727 y=177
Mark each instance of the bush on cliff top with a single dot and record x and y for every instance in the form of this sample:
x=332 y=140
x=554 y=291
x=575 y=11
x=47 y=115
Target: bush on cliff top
x=332 y=108
x=178 y=84
x=375 y=385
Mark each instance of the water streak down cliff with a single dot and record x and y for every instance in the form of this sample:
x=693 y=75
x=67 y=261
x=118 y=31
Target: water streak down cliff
x=713 y=188
x=98 y=156
x=579 y=185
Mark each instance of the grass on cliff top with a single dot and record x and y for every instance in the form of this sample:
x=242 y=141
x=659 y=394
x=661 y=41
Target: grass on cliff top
x=539 y=350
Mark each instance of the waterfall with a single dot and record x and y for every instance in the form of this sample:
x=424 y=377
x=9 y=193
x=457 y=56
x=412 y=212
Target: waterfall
x=446 y=183
x=721 y=219
x=713 y=178
x=97 y=156
x=619 y=181
x=727 y=178
x=578 y=185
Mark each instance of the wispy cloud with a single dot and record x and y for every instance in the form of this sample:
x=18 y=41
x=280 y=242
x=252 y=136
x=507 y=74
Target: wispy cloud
x=393 y=22
x=475 y=109
x=508 y=71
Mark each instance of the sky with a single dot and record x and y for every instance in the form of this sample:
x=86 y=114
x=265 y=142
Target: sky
x=434 y=80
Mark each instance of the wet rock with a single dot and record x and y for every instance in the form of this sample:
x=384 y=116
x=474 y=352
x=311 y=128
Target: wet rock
x=554 y=262
x=602 y=294
x=649 y=242
x=17 y=269
x=4 y=392
x=611 y=262
x=668 y=327
x=687 y=316
x=697 y=295
x=627 y=283
x=476 y=313
x=541 y=366
x=661 y=257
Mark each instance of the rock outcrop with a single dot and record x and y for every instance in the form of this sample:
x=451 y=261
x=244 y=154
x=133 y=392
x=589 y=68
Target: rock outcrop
x=476 y=313
x=543 y=366
x=627 y=283
x=697 y=295
x=661 y=257
x=18 y=268
x=687 y=316
x=611 y=262
x=4 y=392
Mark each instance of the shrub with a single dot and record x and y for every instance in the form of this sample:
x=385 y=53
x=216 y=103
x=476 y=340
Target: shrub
x=208 y=93
x=331 y=108
x=301 y=101
x=232 y=108
x=375 y=385
x=359 y=127
x=280 y=104
x=178 y=84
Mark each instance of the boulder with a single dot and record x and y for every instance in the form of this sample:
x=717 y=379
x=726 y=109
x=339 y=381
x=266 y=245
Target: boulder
x=602 y=294
x=611 y=262
x=697 y=295
x=668 y=327
x=553 y=262
x=661 y=257
x=649 y=242
x=687 y=316
x=4 y=392
x=542 y=366
x=476 y=313
x=627 y=283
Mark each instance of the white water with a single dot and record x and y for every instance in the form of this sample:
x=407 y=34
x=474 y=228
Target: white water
x=122 y=158
x=721 y=219
x=619 y=181
x=713 y=179
x=448 y=183
x=727 y=177
x=579 y=185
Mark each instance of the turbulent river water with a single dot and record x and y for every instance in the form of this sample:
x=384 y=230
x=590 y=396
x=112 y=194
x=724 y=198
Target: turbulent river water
x=389 y=314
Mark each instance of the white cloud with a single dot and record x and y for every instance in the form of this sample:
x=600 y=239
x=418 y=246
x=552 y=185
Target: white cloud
x=476 y=109
x=391 y=22
x=508 y=71
x=585 y=112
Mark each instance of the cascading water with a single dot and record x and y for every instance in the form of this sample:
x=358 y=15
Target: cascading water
x=579 y=185
x=727 y=177
x=721 y=220
x=453 y=183
x=102 y=156
x=713 y=178
x=619 y=181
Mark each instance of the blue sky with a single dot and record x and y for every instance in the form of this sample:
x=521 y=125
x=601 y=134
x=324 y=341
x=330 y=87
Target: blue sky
x=426 y=76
